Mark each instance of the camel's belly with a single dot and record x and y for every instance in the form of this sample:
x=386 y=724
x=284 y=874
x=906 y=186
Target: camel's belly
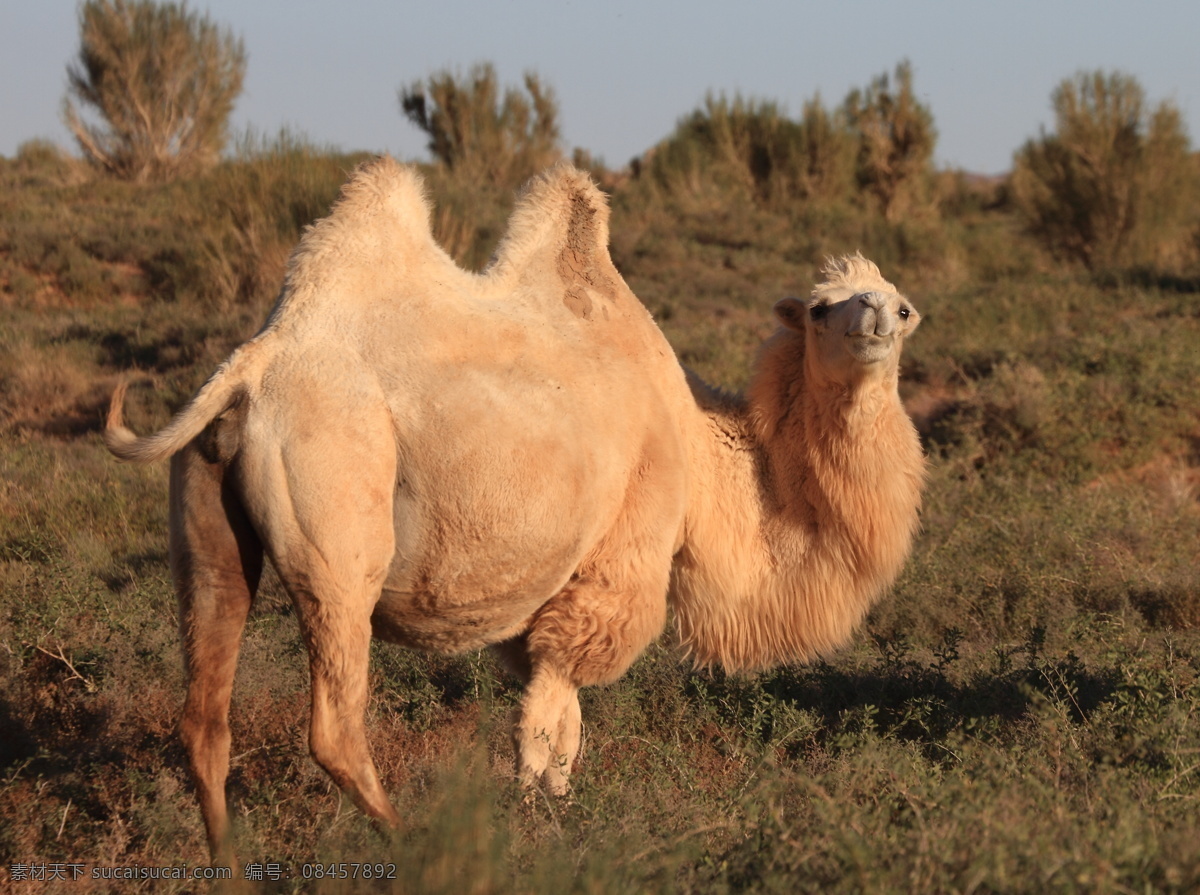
x=462 y=587
x=505 y=487
x=422 y=621
x=488 y=528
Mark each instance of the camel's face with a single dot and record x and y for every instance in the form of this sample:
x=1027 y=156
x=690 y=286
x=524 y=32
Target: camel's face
x=851 y=332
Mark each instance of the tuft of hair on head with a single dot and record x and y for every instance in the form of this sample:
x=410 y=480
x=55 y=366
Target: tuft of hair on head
x=853 y=272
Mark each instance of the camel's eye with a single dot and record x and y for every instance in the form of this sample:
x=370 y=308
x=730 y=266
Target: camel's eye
x=819 y=312
x=904 y=313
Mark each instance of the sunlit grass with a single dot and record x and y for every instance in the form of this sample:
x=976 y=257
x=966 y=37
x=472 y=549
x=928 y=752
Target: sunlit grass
x=1020 y=714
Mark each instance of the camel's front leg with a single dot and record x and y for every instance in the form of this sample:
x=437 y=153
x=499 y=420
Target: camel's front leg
x=548 y=729
x=593 y=630
x=589 y=634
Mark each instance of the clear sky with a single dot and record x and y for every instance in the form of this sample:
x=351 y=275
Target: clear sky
x=626 y=70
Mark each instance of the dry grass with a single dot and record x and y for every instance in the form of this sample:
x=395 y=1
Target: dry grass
x=1020 y=714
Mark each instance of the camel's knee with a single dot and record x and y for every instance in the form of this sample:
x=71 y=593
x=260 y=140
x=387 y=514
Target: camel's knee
x=206 y=737
x=594 y=634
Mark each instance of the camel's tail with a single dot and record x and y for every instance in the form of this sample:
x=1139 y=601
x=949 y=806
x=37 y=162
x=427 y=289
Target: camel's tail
x=215 y=396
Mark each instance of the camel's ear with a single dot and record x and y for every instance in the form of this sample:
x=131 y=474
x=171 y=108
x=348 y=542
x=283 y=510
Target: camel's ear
x=792 y=313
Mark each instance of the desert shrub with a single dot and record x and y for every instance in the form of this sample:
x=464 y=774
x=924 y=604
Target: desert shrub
x=41 y=163
x=740 y=144
x=480 y=134
x=826 y=152
x=162 y=78
x=748 y=193
x=752 y=147
x=1115 y=184
x=896 y=138
x=259 y=202
x=69 y=239
x=484 y=146
x=878 y=144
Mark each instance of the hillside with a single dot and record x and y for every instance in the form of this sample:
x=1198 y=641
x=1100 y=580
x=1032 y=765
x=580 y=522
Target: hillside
x=1019 y=714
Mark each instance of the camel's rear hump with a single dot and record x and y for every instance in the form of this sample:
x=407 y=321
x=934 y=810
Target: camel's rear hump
x=558 y=238
x=376 y=235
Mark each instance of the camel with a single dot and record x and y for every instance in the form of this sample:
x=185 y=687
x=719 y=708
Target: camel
x=515 y=459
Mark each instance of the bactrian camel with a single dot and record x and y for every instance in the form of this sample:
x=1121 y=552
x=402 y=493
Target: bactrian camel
x=516 y=459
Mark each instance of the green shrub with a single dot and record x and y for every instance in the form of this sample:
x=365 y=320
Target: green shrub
x=753 y=148
x=162 y=78
x=1115 y=185
x=878 y=144
x=41 y=163
x=481 y=135
x=826 y=152
x=740 y=144
x=896 y=138
x=739 y=183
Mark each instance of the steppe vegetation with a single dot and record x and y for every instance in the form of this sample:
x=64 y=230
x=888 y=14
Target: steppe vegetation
x=1022 y=713
x=162 y=81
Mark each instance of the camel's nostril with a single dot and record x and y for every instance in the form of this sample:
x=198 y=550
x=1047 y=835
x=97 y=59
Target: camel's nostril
x=872 y=300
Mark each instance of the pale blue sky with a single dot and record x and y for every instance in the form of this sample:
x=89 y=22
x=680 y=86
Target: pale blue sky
x=625 y=71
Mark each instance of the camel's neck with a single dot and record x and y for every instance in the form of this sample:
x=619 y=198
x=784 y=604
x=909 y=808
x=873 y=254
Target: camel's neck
x=803 y=509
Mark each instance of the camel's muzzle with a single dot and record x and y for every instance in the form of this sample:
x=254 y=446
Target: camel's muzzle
x=872 y=316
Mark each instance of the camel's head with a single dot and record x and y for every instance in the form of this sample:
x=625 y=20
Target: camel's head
x=855 y=323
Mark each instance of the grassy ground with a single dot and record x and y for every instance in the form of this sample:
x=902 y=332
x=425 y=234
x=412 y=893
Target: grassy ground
x=1021 y=713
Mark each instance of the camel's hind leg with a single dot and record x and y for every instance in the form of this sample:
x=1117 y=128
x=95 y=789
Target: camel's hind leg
x=338 y=635
x=216 y=561
x=326 y=517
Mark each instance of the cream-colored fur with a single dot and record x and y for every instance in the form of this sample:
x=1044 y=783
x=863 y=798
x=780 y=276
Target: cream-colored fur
x=804 y=493
x=449 y=460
